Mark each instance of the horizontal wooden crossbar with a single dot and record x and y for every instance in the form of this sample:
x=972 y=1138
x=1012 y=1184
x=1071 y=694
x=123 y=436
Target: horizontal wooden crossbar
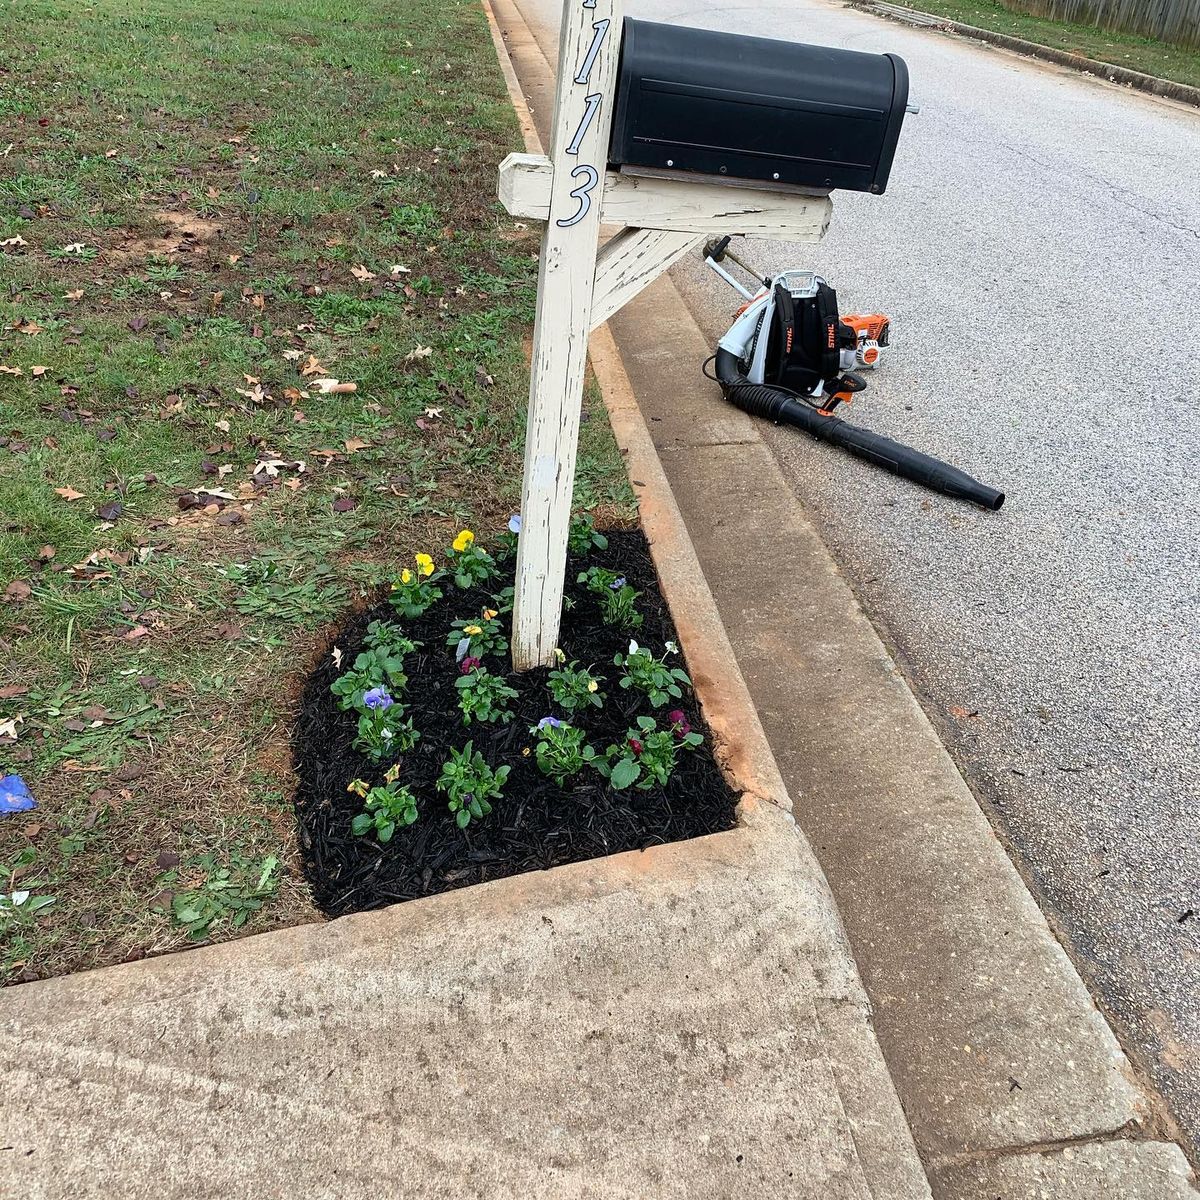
x=676 y=205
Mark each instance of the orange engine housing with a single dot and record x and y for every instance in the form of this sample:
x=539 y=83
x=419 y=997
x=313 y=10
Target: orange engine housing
x=871 y=325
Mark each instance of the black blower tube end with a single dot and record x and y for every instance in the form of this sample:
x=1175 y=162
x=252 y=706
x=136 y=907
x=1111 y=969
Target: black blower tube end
x=761 y=400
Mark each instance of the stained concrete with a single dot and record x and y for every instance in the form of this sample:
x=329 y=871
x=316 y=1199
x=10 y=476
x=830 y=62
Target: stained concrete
x=677 y=1023
x=1116 y=1170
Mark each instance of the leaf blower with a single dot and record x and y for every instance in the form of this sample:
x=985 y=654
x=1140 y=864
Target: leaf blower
x=791 y=357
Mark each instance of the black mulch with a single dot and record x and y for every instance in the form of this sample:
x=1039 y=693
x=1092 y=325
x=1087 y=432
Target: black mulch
x=537 y=824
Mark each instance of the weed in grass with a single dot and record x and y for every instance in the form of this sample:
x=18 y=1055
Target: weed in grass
x=231 y=890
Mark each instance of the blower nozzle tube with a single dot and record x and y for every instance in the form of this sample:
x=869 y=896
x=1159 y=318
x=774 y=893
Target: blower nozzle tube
x=761 y=400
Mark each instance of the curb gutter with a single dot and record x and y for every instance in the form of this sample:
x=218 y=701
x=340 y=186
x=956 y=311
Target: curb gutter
x=1013 y=1084
x=1167 y=88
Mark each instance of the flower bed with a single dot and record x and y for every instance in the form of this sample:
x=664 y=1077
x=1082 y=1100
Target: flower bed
x=425 y=764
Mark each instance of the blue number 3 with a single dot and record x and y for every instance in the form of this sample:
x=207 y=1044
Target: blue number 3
x=582 y=193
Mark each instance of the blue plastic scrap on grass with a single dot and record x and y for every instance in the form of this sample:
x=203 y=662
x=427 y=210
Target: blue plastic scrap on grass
x=15 y=797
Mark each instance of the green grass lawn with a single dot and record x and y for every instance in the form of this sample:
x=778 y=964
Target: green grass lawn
x=205 y=210
x=1122 y=49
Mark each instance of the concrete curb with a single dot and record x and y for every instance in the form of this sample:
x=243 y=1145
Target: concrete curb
x=1167 y=88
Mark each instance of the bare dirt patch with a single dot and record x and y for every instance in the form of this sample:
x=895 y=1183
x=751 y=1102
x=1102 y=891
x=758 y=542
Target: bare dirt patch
x=184 y=233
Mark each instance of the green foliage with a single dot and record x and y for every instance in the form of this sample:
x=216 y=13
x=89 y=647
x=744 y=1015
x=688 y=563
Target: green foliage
x=584 y=536
x=20 y=906
x=560 y=750
x=385 y=806
x=411 y=594
x=574 y=688
x=470 y=564
x=416 y=220
x=295 y=592
x=383 y=734
x=389 y=638
x=651 y=675
x=482 y=635
x=615 y=595
x=484 y=697
x=231 y=892
x=647 y=757
x=379 y=667
x=470 y=784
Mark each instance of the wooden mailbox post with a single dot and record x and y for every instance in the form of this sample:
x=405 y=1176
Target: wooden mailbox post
x=662 y=217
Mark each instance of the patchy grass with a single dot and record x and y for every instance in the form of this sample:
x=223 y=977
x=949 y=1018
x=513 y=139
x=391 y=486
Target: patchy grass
x=204 y=211
x=1130 y=50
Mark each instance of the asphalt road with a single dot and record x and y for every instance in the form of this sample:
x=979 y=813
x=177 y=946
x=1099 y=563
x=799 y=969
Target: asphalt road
x=1039 y=251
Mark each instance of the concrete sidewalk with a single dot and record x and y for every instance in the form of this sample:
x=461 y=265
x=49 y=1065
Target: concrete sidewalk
x=683 y=1022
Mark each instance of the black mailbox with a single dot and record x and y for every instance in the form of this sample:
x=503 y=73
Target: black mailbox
x=755 y=108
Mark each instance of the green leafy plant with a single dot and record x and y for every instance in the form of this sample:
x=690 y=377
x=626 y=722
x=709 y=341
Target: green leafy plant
x=470 y=784
x=651 y=675
x=574 y=688
x=295 y=593
x=484 y=697
x=382 y=733
x=232 y=892
x=473 y=638
x=19 y=907
x=372 y=669
x=470 y=564
x=615 y=594
x=385 y=807
x=383 y=635
x=584 y=536
x=414 y=591
x=647 y=756
x=560 y=749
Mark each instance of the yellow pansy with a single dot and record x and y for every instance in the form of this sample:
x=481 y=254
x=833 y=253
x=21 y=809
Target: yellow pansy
x=424 y=564
x=592 y=685
x=559 y=655
x=406 y=576
x=472 y=630
x=463 y=540
x=489 y=613
x=358 y=787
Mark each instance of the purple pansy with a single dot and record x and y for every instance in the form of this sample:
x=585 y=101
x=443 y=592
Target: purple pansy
x=514 y=523
x=549 y=723
x=470 y=664
x=618 y=583
x=377 y=698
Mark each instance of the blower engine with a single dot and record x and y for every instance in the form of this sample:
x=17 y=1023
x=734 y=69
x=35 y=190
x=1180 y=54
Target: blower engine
x=791 y=357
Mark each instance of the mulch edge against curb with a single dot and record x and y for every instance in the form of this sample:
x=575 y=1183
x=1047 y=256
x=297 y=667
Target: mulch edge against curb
x=1106 y=72
x=739 y=741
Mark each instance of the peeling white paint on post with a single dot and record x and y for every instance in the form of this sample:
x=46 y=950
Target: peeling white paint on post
x=587 y=55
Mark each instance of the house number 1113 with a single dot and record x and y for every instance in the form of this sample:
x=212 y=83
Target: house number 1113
x=589 y=176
